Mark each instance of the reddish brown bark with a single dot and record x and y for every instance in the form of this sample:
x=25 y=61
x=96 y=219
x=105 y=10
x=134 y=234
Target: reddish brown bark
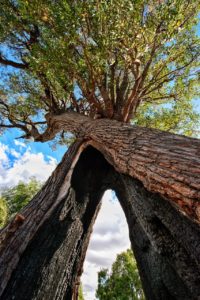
x=165 y=163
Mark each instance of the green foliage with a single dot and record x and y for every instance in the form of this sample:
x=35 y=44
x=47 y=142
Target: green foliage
x=123 y=283
x=80 y=293
x=177 y=117
x=109 y=55
x=3 y=212
x=17 y=197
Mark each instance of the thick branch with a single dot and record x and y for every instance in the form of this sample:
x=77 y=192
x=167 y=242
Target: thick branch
x=70 y=121
x=122 y=91
x=166 y=163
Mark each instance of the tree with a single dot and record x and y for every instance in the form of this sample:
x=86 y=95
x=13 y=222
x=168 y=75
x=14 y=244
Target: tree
x=90 y=68
x=80 y=294
x=3 y=212
x=123 y=283
x=18 y=196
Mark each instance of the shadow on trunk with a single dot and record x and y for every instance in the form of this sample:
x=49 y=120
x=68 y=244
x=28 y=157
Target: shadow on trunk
x=43 y=257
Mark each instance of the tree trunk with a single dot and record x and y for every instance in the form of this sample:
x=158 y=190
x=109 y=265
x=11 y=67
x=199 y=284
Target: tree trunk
x=43 y=249
x=42 y=257
x=165 y=163
x=166 y=244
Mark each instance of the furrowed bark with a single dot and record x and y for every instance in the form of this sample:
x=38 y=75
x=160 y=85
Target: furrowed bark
x=43 y=257
x=15 y=238
x=165 y=163
x=166 y=244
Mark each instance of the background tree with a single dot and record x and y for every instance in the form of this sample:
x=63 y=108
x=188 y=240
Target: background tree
x=15 y=198
x=123 y=282
x=18 y=196
x=3 y=211
x=80 y=292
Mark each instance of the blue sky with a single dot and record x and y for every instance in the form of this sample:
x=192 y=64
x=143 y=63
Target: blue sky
x=10 y=135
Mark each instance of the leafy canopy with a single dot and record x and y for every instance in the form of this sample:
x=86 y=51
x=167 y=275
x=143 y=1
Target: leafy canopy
x=121 y=59
x=123 y=282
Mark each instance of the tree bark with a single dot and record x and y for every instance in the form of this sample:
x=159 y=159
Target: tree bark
x=165 y=163
x=166 y=244
x=42 y=251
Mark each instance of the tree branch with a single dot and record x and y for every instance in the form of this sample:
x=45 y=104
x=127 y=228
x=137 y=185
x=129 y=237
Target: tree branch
x=7 y=62
x=133 y=101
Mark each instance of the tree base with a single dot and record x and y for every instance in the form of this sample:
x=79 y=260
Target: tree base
x=43 y=258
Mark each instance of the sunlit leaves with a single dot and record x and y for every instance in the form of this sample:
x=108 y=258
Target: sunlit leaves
x=3 y=212
x=123 y=282
x=177 y=117
x=119 y=53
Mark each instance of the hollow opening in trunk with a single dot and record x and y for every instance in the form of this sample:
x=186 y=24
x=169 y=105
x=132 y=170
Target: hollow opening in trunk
x=92 y=176
x=109 y=238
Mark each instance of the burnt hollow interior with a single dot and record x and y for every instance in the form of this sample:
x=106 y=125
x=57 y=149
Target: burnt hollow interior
x=165 y=243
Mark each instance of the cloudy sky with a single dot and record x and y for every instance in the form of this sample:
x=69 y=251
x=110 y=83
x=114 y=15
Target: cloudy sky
x=20 y=161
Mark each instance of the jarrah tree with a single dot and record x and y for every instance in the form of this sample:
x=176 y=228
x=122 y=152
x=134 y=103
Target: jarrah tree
x=98 y=69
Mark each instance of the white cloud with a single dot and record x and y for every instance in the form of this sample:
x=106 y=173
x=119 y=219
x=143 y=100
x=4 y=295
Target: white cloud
x=23 y=166
x=18 y=143
x=15 y=153
x=3 y=156
x=109 y=238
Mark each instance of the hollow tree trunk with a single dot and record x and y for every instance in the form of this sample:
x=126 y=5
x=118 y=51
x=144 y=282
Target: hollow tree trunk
x=42 y=256
x=165 y=163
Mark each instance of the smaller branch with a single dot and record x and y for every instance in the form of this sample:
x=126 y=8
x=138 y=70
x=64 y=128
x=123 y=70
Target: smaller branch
x=165 y=78
x=6 y=106
x=121 y=92
x=35 y=123
x=6 y=125
x=74 y=103
x=49 y=98
x=89 y=94
x=150 y=99
x=153 y=50
x=131 y=100
x=34 y=35
x=7 y=62
x=107 y=101
x=112 y=83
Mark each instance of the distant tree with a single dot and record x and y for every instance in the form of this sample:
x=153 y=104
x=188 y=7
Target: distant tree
x=80 y=292
x=3 y=212
x=123 y=282
x=18 y=196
